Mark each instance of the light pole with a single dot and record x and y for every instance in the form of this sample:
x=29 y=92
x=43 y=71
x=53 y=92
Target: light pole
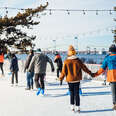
x=88 y=50
x=76 y=43
x=54 y=41
x=95 y=51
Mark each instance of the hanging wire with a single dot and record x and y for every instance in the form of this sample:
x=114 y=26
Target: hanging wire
x=90 y=10
x=65 y=10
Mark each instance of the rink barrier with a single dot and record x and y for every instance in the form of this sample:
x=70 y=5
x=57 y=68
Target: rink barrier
x=92 y=67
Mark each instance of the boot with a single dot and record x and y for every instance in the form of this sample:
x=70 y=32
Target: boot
x=68 y=92
x=28 y=88
x=72 y=107
x=31 y=86
x=38 y=92
x=80 y=91
x=77 y=109
x=42 y=91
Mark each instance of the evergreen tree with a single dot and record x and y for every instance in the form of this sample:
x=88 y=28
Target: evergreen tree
x=11 y=36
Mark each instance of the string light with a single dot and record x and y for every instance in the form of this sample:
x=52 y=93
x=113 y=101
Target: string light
x=50 y=12
x=84 y=12
x=6 y=11
x=67 y=10
x=96 y=12
x=110 y=12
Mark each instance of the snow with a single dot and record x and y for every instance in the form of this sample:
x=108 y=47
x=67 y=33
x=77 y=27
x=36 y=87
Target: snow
x=16 y=101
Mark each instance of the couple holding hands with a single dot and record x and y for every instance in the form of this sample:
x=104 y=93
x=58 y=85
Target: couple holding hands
x=72 y=69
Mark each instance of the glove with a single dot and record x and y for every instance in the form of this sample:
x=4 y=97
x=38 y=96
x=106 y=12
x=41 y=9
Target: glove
x=52 y=69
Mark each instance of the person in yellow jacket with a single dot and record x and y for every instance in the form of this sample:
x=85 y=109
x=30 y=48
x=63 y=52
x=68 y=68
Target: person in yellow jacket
x=1 y=60
x=72 y=69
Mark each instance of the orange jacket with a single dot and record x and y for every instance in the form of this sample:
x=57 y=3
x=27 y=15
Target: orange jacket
x=72 y=69
x=2 y=58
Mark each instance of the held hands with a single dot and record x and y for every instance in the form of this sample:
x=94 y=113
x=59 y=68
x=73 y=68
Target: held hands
x=92 y=75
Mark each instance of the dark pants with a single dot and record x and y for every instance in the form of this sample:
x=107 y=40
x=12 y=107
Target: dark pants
x=113 y=89
x=74 y=93
x=39 y=81
x=16 y=77
x=1 y=67
x=30 y=79
x=58 y=71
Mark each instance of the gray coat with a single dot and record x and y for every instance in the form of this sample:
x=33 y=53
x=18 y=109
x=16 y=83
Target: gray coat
x=39 y=61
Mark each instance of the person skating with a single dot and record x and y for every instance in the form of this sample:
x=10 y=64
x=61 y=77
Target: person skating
x=39 y=61
x=31 y=73
x=72 y=69
x=109 y=63
x=14 y=68
x=2 y=60
x=58 y=61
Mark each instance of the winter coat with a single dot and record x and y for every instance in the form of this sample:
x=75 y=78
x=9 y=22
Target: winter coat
x=39 y=61
x=27 y=63
x=1 y=58
x=110 y=63
x=14 y=64
x=72 y=69
x=58 y=60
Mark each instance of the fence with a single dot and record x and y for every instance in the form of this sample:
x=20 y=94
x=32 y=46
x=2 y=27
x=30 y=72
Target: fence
x=92 y=67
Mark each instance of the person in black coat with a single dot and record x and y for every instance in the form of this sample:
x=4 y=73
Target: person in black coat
x=58 y=61
x=14 y=68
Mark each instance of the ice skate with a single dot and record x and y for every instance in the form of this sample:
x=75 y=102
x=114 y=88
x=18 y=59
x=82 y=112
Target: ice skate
x=42 y=91
x=77 y=109
x=72 y=108
x=38 y=92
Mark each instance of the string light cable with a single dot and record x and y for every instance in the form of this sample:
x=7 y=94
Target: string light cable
x=65 y=10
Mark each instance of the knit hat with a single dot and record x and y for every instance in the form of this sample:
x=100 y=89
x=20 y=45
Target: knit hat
x=56 y=53
x=71 y=51
x=38 y=51
x=112 y=48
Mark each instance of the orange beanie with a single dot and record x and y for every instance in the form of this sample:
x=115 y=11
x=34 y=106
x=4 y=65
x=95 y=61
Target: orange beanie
x=71 y=51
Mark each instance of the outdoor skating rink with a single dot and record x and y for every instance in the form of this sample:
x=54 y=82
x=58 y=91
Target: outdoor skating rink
x=16 y=101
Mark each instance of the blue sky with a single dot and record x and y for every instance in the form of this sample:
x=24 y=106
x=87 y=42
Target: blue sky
x=91 y=29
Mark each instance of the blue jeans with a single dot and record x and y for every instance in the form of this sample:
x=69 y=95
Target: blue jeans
x=30 y=79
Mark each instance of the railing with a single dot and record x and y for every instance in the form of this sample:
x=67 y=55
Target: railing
x=92 y=67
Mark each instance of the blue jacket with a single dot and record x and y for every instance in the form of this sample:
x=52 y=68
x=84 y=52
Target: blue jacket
x=110 y=63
